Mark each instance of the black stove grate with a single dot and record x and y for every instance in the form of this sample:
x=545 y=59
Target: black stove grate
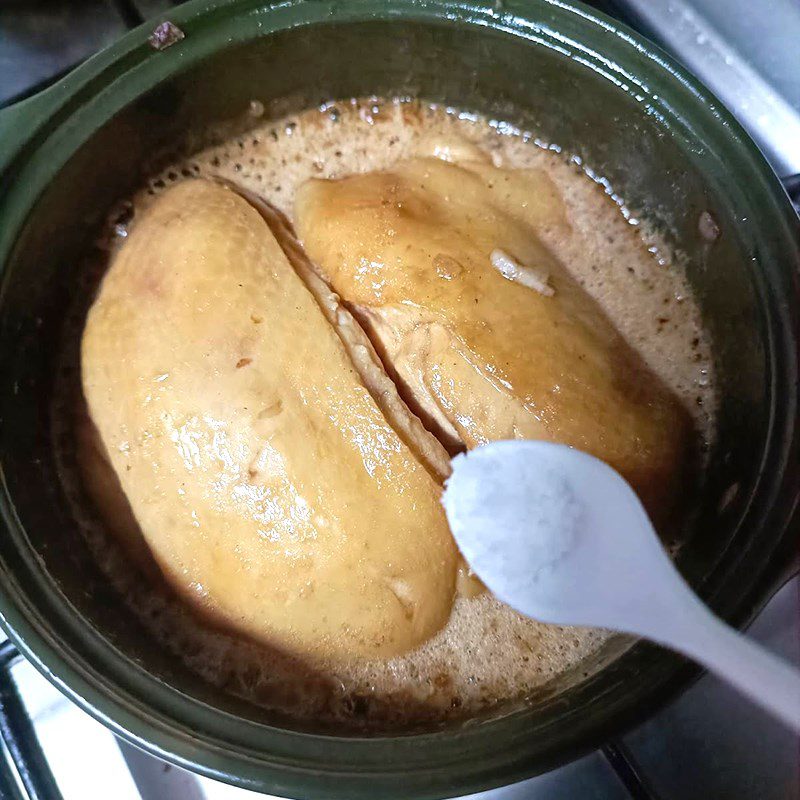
x=24 y=753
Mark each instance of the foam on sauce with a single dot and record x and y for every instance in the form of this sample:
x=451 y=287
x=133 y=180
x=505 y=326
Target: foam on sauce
x=487 y=654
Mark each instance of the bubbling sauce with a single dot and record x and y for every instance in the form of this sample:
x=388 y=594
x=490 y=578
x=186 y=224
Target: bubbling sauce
x=487 y=655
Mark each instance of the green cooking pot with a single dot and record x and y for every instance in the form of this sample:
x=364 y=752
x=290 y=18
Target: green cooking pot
x=574 y=78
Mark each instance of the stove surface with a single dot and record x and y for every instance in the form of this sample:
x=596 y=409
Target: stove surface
x=710 y=744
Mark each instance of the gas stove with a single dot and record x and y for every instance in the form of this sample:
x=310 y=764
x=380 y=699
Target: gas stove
x=709 y=744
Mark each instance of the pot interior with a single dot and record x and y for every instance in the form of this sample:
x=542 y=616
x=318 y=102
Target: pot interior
x=666 y=168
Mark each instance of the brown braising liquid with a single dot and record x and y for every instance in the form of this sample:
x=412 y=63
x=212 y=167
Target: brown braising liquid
x=487 y=654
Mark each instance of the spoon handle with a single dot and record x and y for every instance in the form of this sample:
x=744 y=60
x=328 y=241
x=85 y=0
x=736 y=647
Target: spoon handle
x=765 y=678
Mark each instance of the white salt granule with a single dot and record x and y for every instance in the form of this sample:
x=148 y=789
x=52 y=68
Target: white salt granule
x=511 y=532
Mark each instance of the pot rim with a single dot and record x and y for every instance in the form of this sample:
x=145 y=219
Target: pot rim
x=184 y=730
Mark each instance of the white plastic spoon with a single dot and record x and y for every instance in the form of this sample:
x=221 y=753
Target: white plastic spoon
x=561 y=537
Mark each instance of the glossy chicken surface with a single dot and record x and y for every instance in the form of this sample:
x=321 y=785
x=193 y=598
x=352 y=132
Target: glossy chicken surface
x=487 y=334
x=272 y=488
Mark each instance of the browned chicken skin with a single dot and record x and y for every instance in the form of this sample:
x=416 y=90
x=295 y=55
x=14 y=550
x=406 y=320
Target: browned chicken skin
x=487 y=333
x=273 y=490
